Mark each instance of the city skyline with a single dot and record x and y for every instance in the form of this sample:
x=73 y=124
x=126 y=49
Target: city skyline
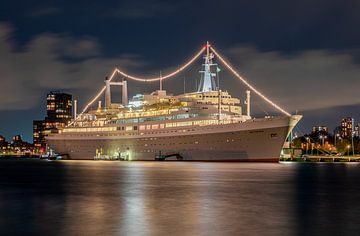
x=313 y=72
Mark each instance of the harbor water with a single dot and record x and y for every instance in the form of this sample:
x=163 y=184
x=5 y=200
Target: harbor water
x=42 y=197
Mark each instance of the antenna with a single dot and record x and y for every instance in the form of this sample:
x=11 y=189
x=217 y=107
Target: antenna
x=219 y=105
x=160 y=81
x=75 y=109
x=248 y=102
x=207 y=51
x=217 y=76
x=184 y=85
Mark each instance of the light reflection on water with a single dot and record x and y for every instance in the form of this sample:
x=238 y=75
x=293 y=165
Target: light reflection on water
x=179 y=198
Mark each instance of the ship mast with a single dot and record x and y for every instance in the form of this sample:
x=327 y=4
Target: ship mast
x=207 y=81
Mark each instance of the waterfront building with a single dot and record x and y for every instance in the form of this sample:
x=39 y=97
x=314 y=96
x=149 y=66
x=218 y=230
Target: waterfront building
x=59 y=106
x=357 y=130
x=17 y=139
x=347 y=127
x=4 y=146
x=320 y=130
x=319 y=134
x=59 y=113
x=39 y=134
x=19 y=146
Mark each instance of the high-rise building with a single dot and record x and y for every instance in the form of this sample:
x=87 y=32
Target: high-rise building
x=59 y=106
x=59 y=113
x=39 y=134
x=347 y=127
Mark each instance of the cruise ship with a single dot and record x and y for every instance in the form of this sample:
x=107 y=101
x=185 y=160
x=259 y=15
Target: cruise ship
x=205 y=125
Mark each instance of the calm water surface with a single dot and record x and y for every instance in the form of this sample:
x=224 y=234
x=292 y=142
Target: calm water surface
x=178 y=198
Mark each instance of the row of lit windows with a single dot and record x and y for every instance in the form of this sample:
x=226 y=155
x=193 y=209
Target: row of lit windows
x=157 y=118
x=147 y=127
x=63 y=116
x=97 y=129
x=146 y=113
x=215 y=103
x=208 y=96
x=50 y=107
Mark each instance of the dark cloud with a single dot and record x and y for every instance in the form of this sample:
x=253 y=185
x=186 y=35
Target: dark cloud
x=307 y=80
x=69 y=47
x=143 y=9
x=40 y=67
x=44 y=11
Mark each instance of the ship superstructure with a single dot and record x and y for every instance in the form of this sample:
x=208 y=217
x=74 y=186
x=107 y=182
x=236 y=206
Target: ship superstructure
x=208 y=124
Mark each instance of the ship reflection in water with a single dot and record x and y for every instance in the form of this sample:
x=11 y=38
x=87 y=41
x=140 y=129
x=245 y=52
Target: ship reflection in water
x=178 y=198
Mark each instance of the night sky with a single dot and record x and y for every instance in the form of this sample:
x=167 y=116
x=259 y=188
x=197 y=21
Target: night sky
x=304 y=55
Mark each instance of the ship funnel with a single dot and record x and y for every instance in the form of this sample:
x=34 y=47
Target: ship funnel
x=248 y=102
x=124 y=98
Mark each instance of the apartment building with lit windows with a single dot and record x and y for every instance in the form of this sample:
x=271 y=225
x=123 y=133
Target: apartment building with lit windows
x=58 y=114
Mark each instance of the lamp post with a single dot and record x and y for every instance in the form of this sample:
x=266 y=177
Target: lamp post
x=336 y=136
x=348 y=149
x=312 y=149
x=320 y=137
x=307 y=145
x=352 y=142
x=322 y=140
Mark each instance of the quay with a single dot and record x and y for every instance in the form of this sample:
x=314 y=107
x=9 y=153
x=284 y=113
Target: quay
x=328 y=158
x=19 y=156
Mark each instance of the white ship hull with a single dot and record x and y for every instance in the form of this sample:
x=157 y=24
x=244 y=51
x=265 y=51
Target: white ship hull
x=252 y=140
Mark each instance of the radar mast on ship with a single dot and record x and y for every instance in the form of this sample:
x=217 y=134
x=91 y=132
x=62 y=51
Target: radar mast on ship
x=207 y=81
